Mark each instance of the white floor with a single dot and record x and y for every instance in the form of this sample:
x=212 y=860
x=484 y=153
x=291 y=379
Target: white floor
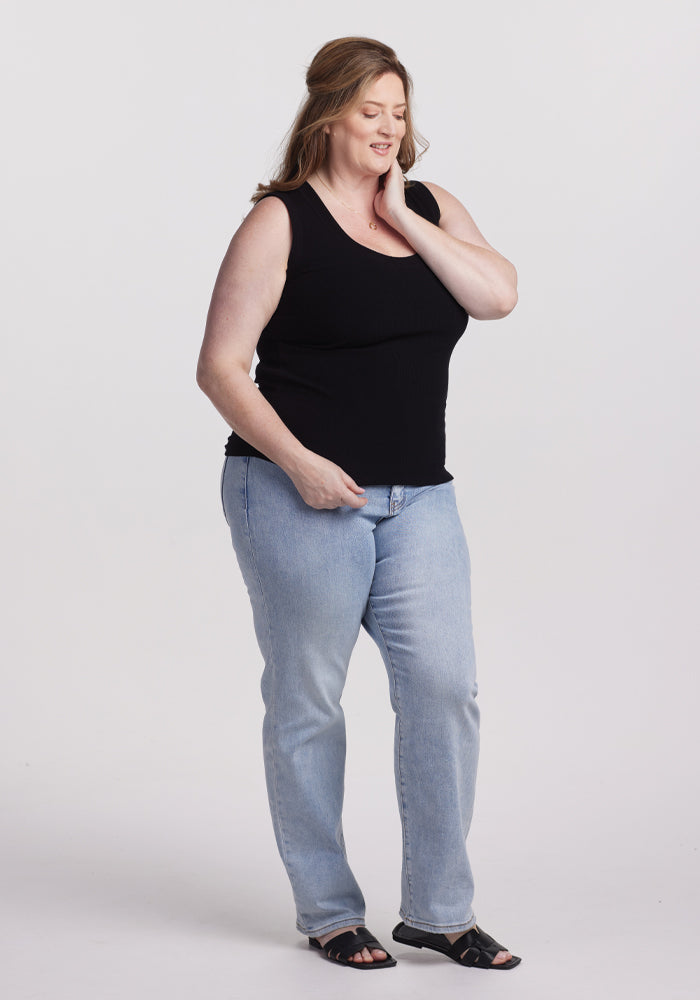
x=152 y=889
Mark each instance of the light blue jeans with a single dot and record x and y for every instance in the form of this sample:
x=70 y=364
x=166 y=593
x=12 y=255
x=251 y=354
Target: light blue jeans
x=399 y=566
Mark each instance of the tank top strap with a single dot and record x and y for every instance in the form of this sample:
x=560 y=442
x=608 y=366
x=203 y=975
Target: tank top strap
x=422 y=200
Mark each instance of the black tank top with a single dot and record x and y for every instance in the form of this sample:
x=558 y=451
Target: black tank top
x=355 y=358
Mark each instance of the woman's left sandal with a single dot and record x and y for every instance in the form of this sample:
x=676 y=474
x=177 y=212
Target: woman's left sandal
x=475 y=948
x=342 y=947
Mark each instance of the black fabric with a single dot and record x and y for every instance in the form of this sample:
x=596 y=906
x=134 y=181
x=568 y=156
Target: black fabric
x=355 y=358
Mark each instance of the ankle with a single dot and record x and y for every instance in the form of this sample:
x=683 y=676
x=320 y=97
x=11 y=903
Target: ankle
x=324 y=938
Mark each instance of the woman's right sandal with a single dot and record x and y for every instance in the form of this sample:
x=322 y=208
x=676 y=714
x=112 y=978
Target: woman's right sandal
x=342 y=947
x=479 y=948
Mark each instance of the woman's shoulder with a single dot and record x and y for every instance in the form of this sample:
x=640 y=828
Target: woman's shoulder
x=281 y=208
x=269 y=211
x=278 y=218
x=289 y=198
x=454 y=217
x=448 y=204
x=441 y=195
x=266 y=226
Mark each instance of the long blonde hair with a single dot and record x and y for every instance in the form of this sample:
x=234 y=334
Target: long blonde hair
x=337 y=77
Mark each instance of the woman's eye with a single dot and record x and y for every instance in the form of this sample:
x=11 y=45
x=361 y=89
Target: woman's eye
x=399 y=118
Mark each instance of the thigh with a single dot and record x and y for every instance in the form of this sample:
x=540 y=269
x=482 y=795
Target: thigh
x=311 y=569
x=419 y=609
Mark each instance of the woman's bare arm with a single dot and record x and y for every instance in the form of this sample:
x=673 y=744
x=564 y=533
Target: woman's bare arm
x=481 y=279
x=246 y=293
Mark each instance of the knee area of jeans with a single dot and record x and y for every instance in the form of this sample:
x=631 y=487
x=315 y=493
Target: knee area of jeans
x=302 y=706
x=449 y=690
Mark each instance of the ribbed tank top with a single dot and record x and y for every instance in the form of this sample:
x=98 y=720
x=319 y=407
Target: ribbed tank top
x=355 y=358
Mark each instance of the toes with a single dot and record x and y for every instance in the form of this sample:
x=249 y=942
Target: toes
x=361 y=956
x=376 y=955
x=501 y=957
x=365 y=955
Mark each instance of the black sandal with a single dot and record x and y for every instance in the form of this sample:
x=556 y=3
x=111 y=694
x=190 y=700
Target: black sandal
x=342 y=946
x=479 y=948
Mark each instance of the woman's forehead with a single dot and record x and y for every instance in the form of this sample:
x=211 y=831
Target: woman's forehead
x=385 y=90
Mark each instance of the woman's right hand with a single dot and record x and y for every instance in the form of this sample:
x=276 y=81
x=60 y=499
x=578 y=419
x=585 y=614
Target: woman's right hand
x=324 y=485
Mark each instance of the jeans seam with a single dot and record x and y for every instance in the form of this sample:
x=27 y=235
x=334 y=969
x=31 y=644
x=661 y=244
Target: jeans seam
x=271 y=663
x=343 y=922
x=404 y=824
x=438 y=928
x=221 y=490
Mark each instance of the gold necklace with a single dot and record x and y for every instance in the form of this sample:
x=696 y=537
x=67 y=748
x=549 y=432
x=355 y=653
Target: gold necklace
x=372 y=225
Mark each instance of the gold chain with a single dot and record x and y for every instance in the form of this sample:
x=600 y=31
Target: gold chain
x=372 y=225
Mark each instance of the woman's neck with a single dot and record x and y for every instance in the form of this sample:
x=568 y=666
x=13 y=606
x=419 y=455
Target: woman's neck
x=358 y=191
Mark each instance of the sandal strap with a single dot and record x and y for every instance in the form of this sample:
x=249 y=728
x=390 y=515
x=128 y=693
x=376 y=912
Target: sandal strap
x=349 y=943
x=479 y=948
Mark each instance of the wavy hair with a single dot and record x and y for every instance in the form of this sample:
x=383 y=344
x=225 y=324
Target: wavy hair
x=337 y=77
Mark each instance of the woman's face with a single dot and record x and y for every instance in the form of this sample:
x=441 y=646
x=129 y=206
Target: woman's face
x=368 y=139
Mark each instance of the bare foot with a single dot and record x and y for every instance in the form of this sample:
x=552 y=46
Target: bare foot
x=501 y=957
x=364 y=955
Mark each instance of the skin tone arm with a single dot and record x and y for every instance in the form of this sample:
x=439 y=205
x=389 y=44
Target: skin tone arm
x=246 y=293
x=479 y=277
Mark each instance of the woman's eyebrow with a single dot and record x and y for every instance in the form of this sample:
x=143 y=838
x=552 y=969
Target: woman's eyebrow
x=402 y=105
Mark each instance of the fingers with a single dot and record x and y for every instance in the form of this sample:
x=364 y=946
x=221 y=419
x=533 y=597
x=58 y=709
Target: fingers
x=325 y=486
x=350 y=499
x=391 y=198
x=331 y=496
x=344 y=496
x=354 y=501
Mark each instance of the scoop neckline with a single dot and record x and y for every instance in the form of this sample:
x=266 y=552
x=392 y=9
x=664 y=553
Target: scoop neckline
x=389 y=256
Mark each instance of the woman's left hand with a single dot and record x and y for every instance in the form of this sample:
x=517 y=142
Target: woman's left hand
x=480 y=279
x=390 y=202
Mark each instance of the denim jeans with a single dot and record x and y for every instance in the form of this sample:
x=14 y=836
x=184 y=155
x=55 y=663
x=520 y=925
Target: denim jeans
x=399 y=567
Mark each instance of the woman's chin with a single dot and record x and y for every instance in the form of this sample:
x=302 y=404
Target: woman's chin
x=379 y=169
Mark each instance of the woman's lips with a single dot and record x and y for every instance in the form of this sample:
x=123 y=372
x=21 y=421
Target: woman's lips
x=381 y=147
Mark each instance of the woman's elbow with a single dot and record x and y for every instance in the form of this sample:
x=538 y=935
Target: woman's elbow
x=207 y=374
x=217 y=373
x=507 y=302
x=202 y=375
x=508 y=297
x=506 y=294
x=498 y=305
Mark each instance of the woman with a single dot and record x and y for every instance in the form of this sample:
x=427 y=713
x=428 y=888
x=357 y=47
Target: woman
x=354 y=288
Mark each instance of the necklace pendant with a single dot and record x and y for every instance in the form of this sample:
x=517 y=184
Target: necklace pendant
x=373 y=225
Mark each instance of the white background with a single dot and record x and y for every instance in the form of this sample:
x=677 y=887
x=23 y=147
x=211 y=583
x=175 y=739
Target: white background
x=138 y=853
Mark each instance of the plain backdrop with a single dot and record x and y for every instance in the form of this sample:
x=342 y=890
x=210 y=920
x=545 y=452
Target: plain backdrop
x=137 y=849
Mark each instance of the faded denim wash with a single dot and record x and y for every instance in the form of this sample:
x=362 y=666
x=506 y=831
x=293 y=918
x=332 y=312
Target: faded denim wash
x=399 y=567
